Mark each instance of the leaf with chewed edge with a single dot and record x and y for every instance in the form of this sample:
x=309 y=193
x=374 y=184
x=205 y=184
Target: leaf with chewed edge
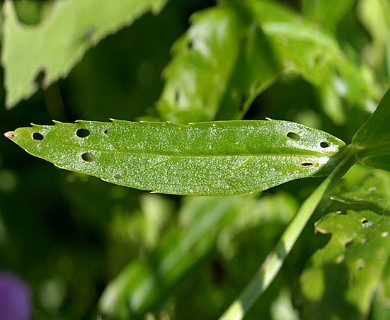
x=60 y=41
x=343 y=276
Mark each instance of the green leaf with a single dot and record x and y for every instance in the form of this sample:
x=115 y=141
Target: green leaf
x=303 y=47
x=210 y=158
x=204 y=224
x=349 y=269
x=61 y=40
x=363 y=188
x=326 y=13
x=144 y=283
x=375 y=16
x=372 y=141
x=223 y=61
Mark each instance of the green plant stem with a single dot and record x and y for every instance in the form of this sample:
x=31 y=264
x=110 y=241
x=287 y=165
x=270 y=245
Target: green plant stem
x=272 y=264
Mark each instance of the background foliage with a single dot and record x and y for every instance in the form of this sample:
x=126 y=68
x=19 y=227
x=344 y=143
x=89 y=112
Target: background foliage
x=82 y=244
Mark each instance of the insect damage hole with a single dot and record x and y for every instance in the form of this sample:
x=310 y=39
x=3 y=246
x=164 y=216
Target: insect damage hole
x=177 y=96
x=365 y=223
x=38 y=136
x=190 y=44
x=307 y=164
x=324 y=144
x=293 y=136
x=88 y=157
x=82 y=133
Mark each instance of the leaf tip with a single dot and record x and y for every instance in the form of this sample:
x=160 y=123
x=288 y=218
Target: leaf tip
x=10 y=134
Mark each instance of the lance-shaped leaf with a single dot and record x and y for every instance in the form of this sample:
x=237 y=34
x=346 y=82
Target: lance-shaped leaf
x=209 y=158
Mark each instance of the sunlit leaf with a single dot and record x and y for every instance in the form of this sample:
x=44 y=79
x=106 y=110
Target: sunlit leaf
x=210 y=158
x=53 y=47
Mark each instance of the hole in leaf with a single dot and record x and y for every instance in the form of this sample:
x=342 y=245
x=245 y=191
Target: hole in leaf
x=105 y=131
x=88 y=157
x=190 y=44
x=38 y=136
x=324 y=144
x=365 y=223
x=177 y=96
x=117 y=176
x=39 y=79
x=348 y=242
x=82 y=133
x=307 y=164
x=294 y=136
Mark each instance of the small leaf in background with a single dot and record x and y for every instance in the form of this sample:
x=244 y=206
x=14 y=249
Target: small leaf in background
x=326 y=13
x=375 y=16
x=204 y=225
x=210 y=158
x=143 y=283
x=372 y=141
x=255 y=70
x=204 y=58
x=60 y=41
x=259 y=40
x=302 y=47
x=348 y=270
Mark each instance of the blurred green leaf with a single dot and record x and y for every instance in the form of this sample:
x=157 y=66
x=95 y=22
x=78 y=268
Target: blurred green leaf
x=223 y=61
x=204 y=223
x=375 y=16
x=346 y=272
x=326 y=13
x=197 y=77
x=343 y=276
x=210 y=158
x=61 y=40
x=144 y=283
x=362 y=188
x=372 y=141
x=259 y=39
x=304 y=48
x=380 y=305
